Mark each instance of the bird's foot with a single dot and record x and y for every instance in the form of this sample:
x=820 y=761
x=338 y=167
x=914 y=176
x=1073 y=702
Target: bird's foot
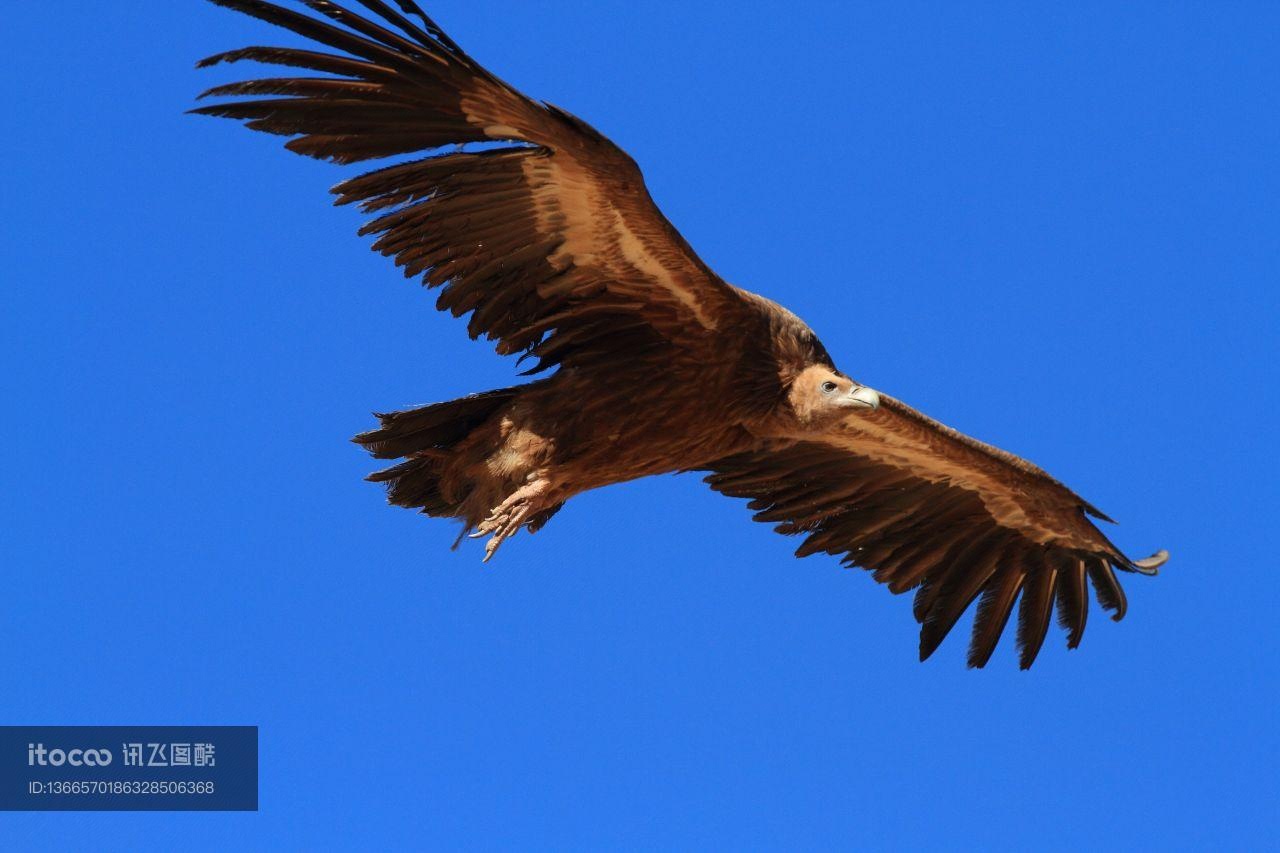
x=507 y=517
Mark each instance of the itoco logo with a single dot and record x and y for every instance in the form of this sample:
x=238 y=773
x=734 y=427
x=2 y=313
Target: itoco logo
x=37 y=754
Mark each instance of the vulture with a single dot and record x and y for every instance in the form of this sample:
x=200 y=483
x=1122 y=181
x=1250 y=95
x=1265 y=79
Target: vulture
x=526 y=219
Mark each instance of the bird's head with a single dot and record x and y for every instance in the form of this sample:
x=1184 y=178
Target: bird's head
x=819 y=394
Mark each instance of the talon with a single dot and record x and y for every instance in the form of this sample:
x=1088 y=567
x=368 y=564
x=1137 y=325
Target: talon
x=507 y=517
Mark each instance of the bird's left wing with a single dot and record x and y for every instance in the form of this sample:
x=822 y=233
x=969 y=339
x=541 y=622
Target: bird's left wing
x=551 y=238
x=924 y=507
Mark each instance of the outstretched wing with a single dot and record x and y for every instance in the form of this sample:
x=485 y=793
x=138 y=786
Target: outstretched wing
x=927 y=508
x=550 y=239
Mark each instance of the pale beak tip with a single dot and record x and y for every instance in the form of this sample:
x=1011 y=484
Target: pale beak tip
x=865 y=398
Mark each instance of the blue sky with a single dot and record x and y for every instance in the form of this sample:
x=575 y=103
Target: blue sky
x=1055 y=228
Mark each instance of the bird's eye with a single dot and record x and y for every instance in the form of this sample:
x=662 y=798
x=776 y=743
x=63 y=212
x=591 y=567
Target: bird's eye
x=828 y=387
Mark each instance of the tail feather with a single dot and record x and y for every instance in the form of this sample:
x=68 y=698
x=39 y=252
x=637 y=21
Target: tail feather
x=416 y=483
x=425 y=438
x=441 y=425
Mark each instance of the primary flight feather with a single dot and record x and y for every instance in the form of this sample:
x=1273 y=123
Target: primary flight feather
x=552 y=244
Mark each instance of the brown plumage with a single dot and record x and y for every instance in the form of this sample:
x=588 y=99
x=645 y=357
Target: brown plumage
x=549 y=240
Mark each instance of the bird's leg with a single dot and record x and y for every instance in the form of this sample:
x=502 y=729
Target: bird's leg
x=507 y=517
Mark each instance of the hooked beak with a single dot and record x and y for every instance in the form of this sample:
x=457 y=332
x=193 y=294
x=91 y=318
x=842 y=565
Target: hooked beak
x=863 y=397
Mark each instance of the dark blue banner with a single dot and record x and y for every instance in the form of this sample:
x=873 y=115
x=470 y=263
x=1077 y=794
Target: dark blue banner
x=128 y=768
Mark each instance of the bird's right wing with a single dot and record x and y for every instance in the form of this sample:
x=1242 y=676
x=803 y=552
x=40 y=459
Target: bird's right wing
x=551 y=240
x=925 y=507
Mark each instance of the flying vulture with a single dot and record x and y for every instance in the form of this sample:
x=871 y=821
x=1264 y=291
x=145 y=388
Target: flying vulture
x=524 y=217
